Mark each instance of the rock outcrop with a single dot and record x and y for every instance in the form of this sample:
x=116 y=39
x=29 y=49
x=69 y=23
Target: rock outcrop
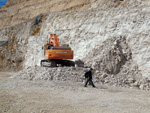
x=19 y=11
x=111 y=36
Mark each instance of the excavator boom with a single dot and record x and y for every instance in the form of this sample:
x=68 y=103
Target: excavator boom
x=54 y=40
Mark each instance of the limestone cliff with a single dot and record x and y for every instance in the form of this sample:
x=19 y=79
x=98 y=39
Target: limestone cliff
x=18 y=11
x=110 y=35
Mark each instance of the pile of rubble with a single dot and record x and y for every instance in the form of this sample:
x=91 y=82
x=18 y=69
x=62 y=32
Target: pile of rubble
x=128 y=79
x=53 y=74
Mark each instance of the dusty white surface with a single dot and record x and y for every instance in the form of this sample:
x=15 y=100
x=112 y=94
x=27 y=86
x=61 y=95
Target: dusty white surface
x=22 y=96
x=18 y=11
x=86 y=31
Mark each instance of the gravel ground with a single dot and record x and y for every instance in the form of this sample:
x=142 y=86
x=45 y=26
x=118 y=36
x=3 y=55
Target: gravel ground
x=24 y=96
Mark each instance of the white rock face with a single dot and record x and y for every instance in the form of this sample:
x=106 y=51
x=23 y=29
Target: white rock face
x=88 y=31
x=84 y=31
x=18 y=11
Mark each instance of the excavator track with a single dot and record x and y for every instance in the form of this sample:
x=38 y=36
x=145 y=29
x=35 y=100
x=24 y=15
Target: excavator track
x=57 y=63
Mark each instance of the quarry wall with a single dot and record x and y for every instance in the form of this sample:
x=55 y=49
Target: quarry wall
x=107 y=35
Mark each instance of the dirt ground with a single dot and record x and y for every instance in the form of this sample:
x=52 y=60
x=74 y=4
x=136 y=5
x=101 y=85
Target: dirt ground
x=23 y=96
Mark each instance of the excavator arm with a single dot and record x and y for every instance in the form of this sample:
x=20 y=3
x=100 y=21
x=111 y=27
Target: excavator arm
x=54 y=40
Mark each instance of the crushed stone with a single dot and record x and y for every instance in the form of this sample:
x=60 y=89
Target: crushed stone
x=127 y=79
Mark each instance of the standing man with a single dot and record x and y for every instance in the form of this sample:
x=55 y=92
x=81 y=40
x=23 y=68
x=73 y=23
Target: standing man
x=88 y=76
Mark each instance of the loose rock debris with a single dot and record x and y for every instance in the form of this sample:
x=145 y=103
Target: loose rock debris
x=76 y=74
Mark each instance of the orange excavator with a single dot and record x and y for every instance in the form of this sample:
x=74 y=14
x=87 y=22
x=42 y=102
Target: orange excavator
x=56 y=55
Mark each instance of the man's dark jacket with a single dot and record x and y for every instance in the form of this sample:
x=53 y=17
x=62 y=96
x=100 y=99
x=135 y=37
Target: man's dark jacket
x=89 y=75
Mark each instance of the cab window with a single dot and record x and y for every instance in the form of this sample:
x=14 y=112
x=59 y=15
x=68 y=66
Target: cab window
x=48 y=46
